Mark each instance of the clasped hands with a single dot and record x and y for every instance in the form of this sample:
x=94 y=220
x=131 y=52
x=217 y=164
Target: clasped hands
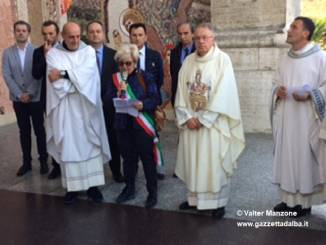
x=25 y=98
x=282 y=93
x=194 y=123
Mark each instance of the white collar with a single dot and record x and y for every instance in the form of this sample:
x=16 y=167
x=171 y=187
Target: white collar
x=142 y=50
x=22 y=49
x=56 y=44
x=307 y=47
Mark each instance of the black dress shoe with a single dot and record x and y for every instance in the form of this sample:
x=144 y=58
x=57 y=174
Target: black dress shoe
x=126 y=195
x=44 y=168
x=118 y=178
x=160 y=176
x=185 y=206
x=174 y=176
x=55 y=173
x=24 y=169
x=151 y=201
x=70 y=197
x=282 y=207
x=95 y=194
x=219 y=213
x=302 y=211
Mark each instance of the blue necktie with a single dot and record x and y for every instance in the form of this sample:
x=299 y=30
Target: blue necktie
x=186 y=52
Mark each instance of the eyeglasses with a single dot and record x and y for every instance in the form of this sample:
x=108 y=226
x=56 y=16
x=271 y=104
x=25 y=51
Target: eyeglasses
x=204 y=38
x=127 y=63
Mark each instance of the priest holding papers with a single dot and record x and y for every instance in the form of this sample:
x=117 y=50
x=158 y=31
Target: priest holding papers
x=135 y=97
x=211 y=132
x=76 y=134
x=298 y=112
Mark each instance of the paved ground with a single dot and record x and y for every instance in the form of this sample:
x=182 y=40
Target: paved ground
x=251 y=185
x=38 y=219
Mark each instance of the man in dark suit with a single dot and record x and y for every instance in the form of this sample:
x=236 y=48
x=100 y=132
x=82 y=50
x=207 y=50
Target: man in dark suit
x=50 y=32
x=107 y=67
x=149 y=61
x=25 y=93
x=185 y=47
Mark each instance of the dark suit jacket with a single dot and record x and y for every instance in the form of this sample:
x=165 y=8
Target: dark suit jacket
x=175 y=66
x=39 y=71
x=154 y=65
x=109 y=67
x=150 y=97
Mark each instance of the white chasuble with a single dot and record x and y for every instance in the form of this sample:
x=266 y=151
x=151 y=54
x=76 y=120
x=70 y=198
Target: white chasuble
x=207 y=157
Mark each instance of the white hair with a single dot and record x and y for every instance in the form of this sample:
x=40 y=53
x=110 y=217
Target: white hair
x=207 y=26
x=127 y=50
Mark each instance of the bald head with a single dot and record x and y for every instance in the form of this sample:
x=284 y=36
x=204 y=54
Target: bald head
x=71 y=35
x=70 y=27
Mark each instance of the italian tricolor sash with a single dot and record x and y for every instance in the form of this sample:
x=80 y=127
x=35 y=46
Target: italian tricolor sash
x=144 y=119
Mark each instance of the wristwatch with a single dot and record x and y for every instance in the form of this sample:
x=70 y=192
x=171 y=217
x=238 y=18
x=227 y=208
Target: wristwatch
x=63 y=73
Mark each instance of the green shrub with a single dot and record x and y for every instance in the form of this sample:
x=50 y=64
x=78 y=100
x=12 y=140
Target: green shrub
x=320 y=33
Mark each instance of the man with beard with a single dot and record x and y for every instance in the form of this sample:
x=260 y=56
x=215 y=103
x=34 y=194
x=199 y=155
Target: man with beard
x=50 y=32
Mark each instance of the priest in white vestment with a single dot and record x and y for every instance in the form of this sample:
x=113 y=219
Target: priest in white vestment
x=76 y=134
x=298 y=112
x=209 y=120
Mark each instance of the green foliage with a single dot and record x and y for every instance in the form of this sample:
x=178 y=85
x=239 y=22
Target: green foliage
x=316 y=10
x=320 y=33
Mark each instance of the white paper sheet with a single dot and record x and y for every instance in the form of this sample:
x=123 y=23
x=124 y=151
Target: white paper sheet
x=125 y=106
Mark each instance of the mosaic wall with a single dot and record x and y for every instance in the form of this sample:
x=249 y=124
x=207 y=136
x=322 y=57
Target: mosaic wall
x=160 y=16
x=50 y=7
x=83 y=11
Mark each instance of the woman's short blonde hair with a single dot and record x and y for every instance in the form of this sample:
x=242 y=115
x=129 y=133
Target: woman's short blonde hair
x=125 y=51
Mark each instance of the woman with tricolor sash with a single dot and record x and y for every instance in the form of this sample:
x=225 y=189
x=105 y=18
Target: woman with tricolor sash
x=135 y=96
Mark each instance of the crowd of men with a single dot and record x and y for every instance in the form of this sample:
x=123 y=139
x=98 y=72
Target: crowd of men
x=66 y=81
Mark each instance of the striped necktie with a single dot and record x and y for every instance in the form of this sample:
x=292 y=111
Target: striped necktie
x=98 y=61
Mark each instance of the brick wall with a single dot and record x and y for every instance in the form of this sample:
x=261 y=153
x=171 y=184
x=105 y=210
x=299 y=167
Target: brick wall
x=11 y=11
x=7 y=18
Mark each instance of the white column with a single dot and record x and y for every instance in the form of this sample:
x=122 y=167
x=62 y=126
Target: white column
x=22 y=10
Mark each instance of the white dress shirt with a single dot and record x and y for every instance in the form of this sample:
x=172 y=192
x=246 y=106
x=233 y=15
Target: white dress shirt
x=22 y=53
x=142 y=53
